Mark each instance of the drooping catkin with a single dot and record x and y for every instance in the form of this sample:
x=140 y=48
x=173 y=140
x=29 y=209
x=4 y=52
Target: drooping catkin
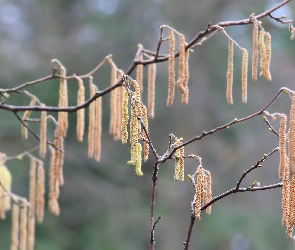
x=138 y=160
x=98 y=128
x=133 y=137
x=182 y=63
x=146 y=125
x=26 y=115
x=6 y=180
x=185 y=81
x=31 y=232
x=139 y=70
x=292 y=137
x=267 y=56
x=118 y=135
x=255 y=50
x=283 y=151
x=23 y=226
x=291 y=219
x=91 y=120
x=113 y=99
x=125 y=117
x=63 y=102
x=40 y=192
x=171 y=69
x=285 y=202
x=15 y=227
x=31 y=222
x=199 y=192
x=43 y=133
x=151 y=89
x=53 y=183
x=244 y=75
x=208 y=190
x=80 y=112
x=262 y=52
x=179 y=162
x=229 y=75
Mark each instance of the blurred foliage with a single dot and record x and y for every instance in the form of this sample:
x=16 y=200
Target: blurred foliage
x=105 y=205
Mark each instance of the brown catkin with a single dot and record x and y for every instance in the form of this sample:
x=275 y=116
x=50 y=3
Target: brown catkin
x=53 y=184
x=15 y=227
x=139 y=70
x=199 y=192
x=244 y=75
x=286 y=202
x=292 y=137
x=267 y=56
x=229 y=76
x=262 y=52
x=125 y=117
x=283 y=152
x=113 y=99
x=255 y=50
x=63 y=102
x=31 y=232
x=98 y=128
x=43 y=133
x=23 y=226
x=40 y=192
x=178 y=161
x=171 y=69
x=208 y=190
x=6 y=180
x=118 y=135
x=185 y=81
x=26 y=115
x=32 y=187
x=91 y=120
x=151 y=89
x=182 y=63
x=80 y=112
x=291 y=219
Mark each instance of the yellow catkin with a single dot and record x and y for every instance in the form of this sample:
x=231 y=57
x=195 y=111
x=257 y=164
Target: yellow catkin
x=23 y=226
x=43 y=133
x=145 y=143
x=185 y=81
x=171 y=69
x=199 y=192
x=63 y=102
x=139 y=70
x=179 y=162
x=244 y=75
x=125 y=117
x=255 y=50
x=283 y=152
x=262 y=51
x=208 y=190
x=40 y=192
x=98 y=129
x=151 y=89
x=31 y=222
x=139 y=160
x=292 y=137
x=133 y=138
x=26 y=115
x=181 y=68
x=15 y=227
x=230 y=70
x=267 y=56
x=5 y=179
x=113 y=99
x=80 y=112
x=91 y=120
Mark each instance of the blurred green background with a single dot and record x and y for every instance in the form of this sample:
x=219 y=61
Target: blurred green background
x=105 y=205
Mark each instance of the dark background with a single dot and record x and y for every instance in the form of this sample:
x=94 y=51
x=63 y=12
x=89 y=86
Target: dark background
x=105 y=205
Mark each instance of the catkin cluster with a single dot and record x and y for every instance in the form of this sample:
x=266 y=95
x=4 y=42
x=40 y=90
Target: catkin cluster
x=138 y=123
x=203 y=190
x=179 y=161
